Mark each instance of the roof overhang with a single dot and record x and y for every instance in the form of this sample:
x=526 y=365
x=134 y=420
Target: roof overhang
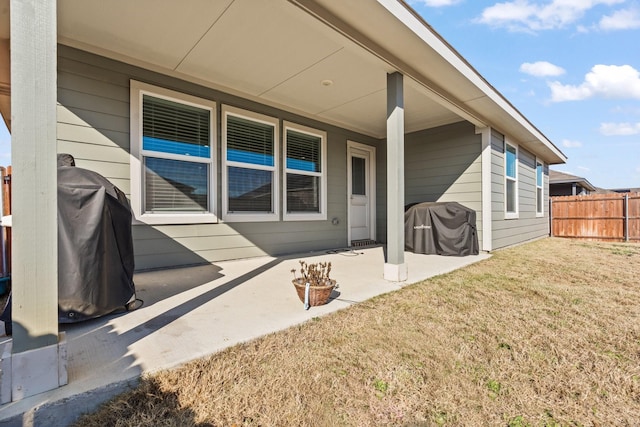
x=323 y=59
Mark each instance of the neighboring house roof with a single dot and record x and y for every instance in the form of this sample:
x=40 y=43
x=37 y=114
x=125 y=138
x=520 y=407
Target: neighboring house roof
x=618 y=190
x=557 y=177
x=626 y=190
x=323 y=59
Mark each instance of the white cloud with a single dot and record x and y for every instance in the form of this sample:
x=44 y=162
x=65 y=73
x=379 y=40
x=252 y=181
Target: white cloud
x=625 y=19
x=525 y=15
x=584 y=169
x=606 y=81
x=541 y=69
x=571 y=144
x=435 y=3
x=628 y=110
x=619 y=129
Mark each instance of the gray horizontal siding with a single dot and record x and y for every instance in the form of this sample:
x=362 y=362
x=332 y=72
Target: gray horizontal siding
x=444 y=165
x=93 y=126
x=528 y=225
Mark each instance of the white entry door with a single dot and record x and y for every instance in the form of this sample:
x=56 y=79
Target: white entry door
x=361 y=191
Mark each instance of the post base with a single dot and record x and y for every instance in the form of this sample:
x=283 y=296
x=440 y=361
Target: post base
x=396 y=272
x=32 y=372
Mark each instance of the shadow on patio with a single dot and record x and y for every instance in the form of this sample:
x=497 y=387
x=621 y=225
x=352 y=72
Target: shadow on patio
x=196 y=311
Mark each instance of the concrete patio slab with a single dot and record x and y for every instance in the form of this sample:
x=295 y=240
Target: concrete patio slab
x=196 y=311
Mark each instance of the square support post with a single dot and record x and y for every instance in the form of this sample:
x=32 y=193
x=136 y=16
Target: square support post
x=395 y=268
x=487 y=225
x=38 y=352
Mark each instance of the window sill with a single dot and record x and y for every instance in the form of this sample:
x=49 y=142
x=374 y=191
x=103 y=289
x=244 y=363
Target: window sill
x=169 y=219
x=511 y=215
x=250 y=217
x=305 y=217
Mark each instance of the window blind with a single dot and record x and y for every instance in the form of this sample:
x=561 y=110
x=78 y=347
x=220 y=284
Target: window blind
x=250 y=190
x=303 y=193
x=175 y=186
x=170 y=127
x=303 y=151
x=250 y=142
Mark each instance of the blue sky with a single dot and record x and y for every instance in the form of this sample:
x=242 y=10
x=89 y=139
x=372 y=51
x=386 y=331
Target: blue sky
x=570 y=66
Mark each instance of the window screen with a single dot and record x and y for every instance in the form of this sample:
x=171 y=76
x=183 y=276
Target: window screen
x=511 y=196
x=511 y=185
x=511 y=162
x=304 y=172
x=539 y=184
x=250 y=190
x=251 y=158
x=175 y=186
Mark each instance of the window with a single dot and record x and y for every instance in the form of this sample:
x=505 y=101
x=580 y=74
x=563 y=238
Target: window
x=304 y=173
x=511 y=180
x=539 y=187
x=172 y=148
x=250 y=162
x=358 y=176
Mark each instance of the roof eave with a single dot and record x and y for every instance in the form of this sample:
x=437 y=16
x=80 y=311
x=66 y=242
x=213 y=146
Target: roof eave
x=489 y=109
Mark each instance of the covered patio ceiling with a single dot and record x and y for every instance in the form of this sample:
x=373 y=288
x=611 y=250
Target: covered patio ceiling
x=323 y=59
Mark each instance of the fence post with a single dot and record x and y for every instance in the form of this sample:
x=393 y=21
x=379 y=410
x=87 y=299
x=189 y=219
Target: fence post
x=550 y=217
x=626 y=217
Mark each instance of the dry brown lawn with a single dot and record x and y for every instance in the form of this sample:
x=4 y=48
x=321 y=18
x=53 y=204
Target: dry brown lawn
x=544 y=334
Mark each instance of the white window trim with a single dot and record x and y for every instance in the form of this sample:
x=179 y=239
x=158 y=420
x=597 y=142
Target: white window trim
x=306 y=216
x=137 y=90
x=541 y=187
x=250 y=216
x=515 y=214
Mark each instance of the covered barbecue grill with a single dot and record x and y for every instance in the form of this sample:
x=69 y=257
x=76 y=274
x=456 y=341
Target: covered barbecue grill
x=95 y=245
x=440 y=228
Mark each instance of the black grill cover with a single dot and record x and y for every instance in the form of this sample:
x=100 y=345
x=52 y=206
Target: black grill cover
x=95 y=245
x=445 y=228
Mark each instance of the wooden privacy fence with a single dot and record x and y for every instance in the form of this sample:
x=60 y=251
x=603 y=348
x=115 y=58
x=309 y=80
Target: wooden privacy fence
x=5 y=232
x=612 y=217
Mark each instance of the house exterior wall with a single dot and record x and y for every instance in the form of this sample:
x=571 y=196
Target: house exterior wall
x=442 y=164
x=93 y=126
x=528 y=225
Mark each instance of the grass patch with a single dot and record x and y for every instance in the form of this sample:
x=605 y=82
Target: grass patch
x=543 y=334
